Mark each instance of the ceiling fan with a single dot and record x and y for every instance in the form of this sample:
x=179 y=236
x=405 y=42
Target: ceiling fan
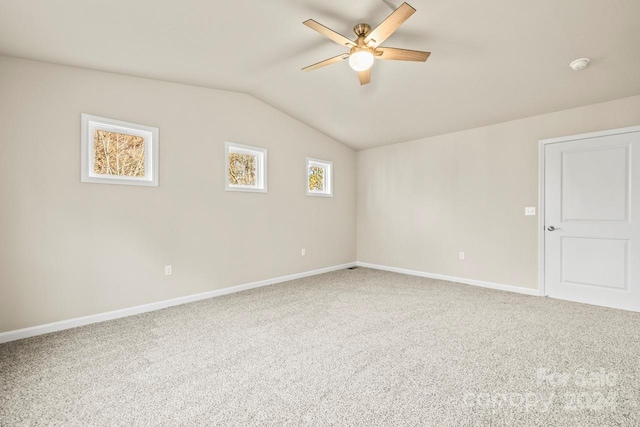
x=366 y=47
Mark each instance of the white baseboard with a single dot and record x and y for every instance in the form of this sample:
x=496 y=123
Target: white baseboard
x=131 y=311
x=498 y=286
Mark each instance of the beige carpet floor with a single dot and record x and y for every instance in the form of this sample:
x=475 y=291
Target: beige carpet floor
x=353 y=347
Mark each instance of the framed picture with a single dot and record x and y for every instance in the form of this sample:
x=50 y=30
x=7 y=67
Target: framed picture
x=117 y=152
x=245 y=168
x=319 y=177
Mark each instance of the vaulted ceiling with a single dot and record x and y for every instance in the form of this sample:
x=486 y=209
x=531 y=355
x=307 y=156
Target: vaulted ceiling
x=492 y=60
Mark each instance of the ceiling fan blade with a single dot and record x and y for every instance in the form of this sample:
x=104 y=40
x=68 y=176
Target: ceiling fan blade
x=395 y=54
x=364 y=76
x=329 y=33
x=326 y=62
x=389 y=25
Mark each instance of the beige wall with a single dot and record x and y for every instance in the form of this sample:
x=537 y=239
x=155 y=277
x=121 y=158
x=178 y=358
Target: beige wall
x=420 y=203
x=71 y=249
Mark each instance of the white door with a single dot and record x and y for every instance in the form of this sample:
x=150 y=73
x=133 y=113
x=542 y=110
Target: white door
x=592 y=218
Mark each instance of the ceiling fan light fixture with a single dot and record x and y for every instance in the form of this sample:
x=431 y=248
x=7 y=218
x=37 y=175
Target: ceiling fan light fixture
x=361 y=60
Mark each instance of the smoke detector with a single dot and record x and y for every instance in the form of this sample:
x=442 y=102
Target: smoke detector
x=579 y=64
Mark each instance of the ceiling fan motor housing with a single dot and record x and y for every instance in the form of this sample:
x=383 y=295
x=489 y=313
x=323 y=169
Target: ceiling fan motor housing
x=362 y=30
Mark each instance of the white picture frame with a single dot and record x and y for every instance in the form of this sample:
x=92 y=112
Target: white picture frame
x=259 y=174
x=324 y=188
x=149 y=160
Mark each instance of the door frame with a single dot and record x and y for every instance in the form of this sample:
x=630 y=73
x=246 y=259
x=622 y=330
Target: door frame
x=541 y=171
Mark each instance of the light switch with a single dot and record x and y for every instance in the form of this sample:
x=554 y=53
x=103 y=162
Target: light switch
x=530 y=210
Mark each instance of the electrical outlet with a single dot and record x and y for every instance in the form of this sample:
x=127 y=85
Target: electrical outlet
x=303 y=252
x=461 y=255
x=168 y=270
x=530 y=210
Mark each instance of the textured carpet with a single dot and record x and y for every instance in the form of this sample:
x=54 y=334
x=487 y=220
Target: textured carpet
x=353 y=347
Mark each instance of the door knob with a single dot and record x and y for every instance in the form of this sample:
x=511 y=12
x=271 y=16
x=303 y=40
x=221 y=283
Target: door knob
x=551 y=228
